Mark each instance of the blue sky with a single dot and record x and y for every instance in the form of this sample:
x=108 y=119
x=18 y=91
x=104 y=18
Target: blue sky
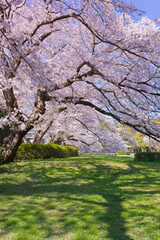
x=151 y=7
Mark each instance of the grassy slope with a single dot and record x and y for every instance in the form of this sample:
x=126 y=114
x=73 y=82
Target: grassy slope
x=87 y=197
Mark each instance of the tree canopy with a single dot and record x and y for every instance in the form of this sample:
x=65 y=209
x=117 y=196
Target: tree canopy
x=60 y=54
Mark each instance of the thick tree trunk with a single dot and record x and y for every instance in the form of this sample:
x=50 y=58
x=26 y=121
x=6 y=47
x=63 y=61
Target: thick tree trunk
x=20 y=127
x=11 y=144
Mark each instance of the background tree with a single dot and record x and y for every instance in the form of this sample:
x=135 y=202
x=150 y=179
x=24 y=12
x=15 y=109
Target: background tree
x=85 y=129
x=137 y=141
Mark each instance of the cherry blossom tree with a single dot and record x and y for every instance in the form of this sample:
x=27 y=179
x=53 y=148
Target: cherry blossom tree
x=90 y=53
x=84 y=128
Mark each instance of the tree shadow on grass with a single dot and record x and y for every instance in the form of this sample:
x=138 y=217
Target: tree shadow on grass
x=72 y=195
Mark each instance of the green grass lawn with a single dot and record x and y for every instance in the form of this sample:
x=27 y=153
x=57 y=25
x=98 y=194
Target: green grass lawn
x=81 y=198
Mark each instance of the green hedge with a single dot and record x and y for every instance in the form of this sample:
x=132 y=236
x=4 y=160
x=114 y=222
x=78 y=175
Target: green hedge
x=147 y=156
x=123 y=153
x=43 y=151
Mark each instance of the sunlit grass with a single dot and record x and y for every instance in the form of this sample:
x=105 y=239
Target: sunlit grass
x=82 y=198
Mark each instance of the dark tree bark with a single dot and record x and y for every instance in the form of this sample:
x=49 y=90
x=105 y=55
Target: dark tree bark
x=11 y=144
x=20 y=126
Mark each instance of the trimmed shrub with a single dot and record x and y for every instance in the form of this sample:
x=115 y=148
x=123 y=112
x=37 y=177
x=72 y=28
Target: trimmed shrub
x=34 y=151
x=123 y=153
x=43 y=151
x=72 y=151
x=61 y=151
x=147 y=156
